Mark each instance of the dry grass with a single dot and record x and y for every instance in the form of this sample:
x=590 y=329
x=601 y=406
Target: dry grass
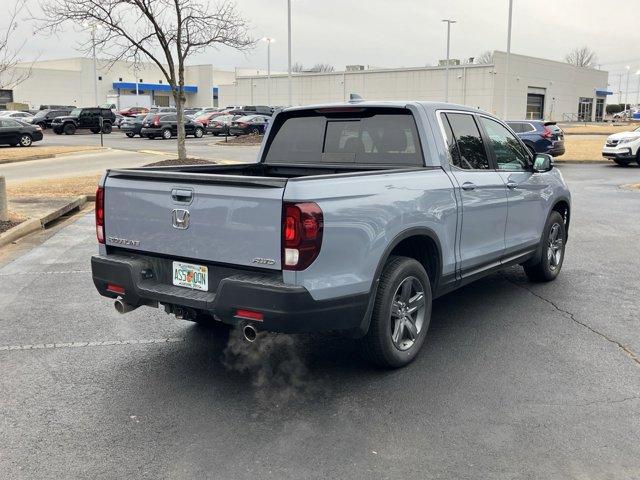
x=38 y=151
x=633 y=186
x=604 y=129
x=582 y=149
x=55 y=187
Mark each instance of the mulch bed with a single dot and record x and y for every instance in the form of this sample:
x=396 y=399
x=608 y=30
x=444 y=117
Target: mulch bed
x=7 y=224
x=175 y=161
x=243 y=140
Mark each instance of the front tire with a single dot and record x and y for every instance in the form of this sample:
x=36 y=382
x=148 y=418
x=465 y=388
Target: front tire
x=166 y=134
x=554 y=239
x=199 y=133
x=106 y=128
x=401 y=314
x=130 y=134
x=638 y=157
x=69 y=129
x=622 y=163
x=26 y=140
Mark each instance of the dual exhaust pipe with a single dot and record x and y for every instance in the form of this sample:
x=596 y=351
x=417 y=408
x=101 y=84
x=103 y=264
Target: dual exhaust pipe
x=249 y=332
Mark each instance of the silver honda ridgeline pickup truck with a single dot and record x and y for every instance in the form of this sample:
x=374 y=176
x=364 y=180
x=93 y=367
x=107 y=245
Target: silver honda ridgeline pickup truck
x=356 y=216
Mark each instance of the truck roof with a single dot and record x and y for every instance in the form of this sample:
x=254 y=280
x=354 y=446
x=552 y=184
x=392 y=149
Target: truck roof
x=429 y=106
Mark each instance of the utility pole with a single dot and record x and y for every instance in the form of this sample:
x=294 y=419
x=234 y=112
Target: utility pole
x=446 y=78
x=506 y=68
x=269 y=41
x=289 y=48
x=626 y=94
x=95 y=64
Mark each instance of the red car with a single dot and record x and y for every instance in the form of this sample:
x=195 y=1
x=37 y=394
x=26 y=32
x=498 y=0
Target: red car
x=133 y=111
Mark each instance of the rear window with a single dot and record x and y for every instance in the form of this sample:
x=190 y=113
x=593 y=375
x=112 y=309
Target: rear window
x=379 y=136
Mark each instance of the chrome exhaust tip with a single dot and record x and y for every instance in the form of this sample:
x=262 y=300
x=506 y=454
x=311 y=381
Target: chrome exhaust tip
x=123 y=307
x=250 y=333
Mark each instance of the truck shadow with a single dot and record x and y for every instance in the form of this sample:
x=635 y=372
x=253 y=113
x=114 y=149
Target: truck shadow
x=208 y=371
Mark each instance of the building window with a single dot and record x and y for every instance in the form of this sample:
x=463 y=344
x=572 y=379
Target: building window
x=585 y=108
x=100 y=78
x=120 y=79
x=140 y=80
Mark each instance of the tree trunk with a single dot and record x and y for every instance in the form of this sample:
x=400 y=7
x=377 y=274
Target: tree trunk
x=179 y=98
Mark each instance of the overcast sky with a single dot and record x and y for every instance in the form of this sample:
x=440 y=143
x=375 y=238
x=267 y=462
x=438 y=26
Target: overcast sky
x=386 y=33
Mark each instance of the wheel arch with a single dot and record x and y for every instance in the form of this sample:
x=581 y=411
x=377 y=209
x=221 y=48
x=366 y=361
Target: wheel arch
x=419 y=243
x=563 y=207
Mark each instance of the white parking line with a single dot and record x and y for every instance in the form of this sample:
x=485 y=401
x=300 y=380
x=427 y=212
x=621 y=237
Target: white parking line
x=106 y=343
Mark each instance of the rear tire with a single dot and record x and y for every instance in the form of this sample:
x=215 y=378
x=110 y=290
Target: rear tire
x=622 y=163
x=69 y=129
x=554 y=240
x=199 y=133
x=130 y=134
x=401 y=314
x=26 y=140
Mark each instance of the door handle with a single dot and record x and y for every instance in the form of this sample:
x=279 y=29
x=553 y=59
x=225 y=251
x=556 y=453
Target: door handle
x=181 y=195
x=511 y=184
x=468 y=186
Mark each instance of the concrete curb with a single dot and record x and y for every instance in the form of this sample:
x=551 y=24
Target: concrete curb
x=20 y=231
x=33 y=224
x=53 y=155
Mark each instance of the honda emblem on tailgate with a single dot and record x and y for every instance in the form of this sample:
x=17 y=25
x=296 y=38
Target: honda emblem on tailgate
x=180 y=218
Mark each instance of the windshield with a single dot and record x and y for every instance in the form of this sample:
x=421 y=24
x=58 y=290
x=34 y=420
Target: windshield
x=75 y=112
x=41 y=113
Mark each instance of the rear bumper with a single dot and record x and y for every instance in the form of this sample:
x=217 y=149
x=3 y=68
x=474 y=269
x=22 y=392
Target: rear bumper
x=286 y=308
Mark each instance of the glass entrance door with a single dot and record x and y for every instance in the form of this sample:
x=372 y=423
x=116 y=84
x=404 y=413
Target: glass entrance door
x=599 y=109
x=585 y=109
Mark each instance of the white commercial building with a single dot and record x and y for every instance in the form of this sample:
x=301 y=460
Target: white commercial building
x=71 y=82
x=536 y=88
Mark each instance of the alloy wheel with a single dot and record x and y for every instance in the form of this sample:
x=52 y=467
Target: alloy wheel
x=555 y=247
x=407 y=313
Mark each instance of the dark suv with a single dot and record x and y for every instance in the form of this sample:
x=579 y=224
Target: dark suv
x=540 y=136
x=44 y=118
x=84 y=118
x=166 y=126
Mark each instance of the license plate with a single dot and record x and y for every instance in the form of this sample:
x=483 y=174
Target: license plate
x=191 y=276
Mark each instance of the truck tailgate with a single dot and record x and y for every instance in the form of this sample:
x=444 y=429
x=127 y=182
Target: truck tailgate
x=237 y=224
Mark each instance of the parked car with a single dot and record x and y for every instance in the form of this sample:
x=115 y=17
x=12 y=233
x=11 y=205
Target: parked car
x=623 y=148
x=204 y=118
x=84 y=118
x=162 y=110
x=255 y=124
x=133 y=111
x=257 y=110
x=540 y=136
x=220 y=125
x=44 y=118
x=191 y=111
x=57 y=107
x=118 y=121
x=166 y=126
x=132 y=126
x=14 y=132
x=355 y=217
x=17 y=115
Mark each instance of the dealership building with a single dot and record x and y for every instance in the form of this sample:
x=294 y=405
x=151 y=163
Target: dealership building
x=536 y=87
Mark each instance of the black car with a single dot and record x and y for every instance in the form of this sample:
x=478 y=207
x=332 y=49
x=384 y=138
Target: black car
x=166 y=126
x=44 y=117
x=256 y=124
x=220 y=125
x=13 y=132
x=85 y=118
x=132 y=126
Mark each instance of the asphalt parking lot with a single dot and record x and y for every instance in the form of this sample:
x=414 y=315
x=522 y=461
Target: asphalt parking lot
x=516 y=380
x=206 y=147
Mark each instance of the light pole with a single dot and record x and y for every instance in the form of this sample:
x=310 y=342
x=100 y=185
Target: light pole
x=506 y=67
x=626 y=93
x=289 y=47
x=95 y=62
x=269 y=41
x=638 y=90
x=446 y=78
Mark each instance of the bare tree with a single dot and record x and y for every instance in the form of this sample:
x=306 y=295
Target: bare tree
x=297 y=67
x=167 y=32
x=322 y=67
x=582 y=57
x=10 y=55
x=484 y=58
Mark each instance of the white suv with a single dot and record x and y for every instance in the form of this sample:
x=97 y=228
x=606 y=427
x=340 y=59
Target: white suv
x=623 y=148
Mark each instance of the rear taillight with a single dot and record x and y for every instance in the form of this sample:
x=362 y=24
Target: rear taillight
x=547 y=133
x=302 y=226
x=100 y=214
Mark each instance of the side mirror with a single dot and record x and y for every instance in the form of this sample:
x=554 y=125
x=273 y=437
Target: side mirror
x=542 y=163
